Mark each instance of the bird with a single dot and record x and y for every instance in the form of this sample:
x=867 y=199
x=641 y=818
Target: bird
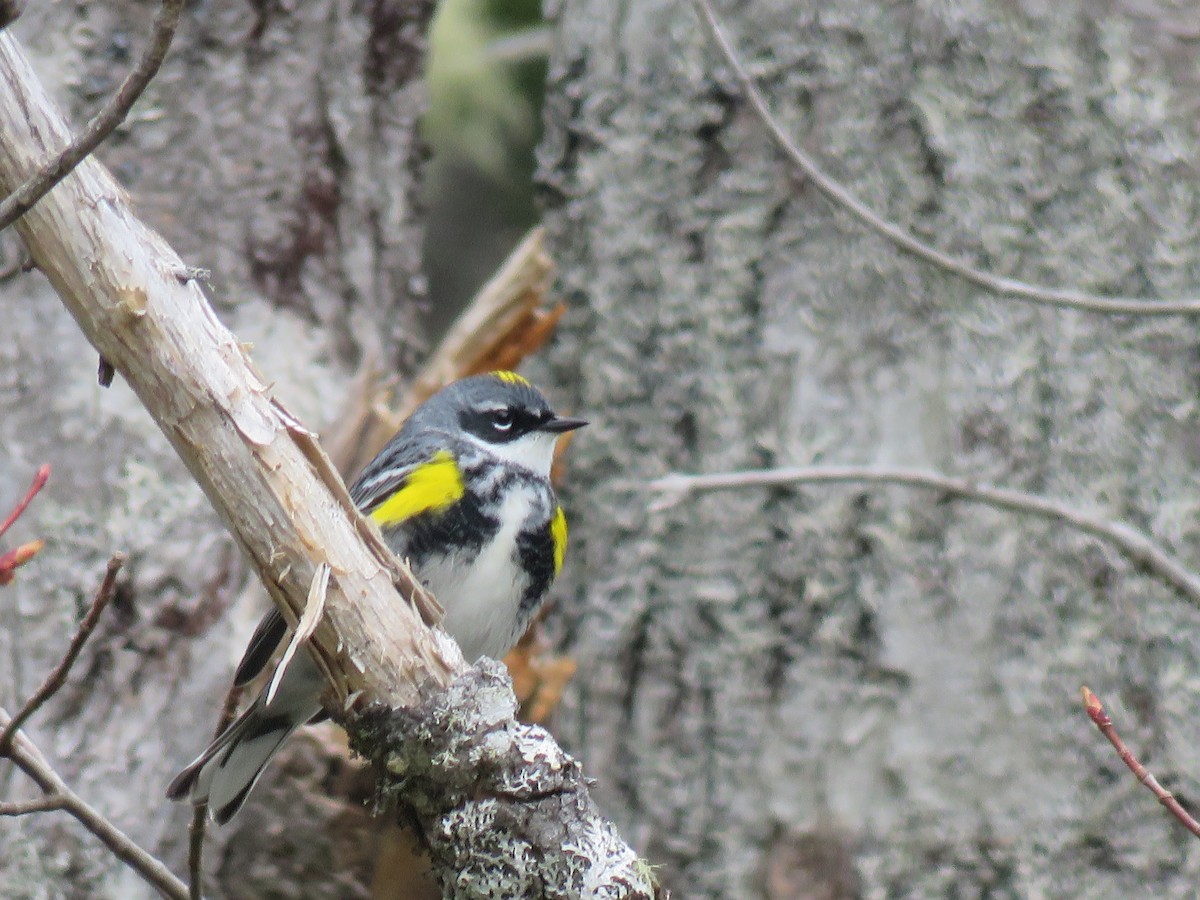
x=463 y=493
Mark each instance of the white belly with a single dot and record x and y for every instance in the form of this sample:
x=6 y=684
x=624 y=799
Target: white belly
x=482 y=600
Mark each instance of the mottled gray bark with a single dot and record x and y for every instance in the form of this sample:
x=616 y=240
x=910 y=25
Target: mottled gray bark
x=847 y=692
x=276 y=148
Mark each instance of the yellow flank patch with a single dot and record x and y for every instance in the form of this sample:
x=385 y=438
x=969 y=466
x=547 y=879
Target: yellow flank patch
x=558 y=534
x=511 y=377
x=430 y=487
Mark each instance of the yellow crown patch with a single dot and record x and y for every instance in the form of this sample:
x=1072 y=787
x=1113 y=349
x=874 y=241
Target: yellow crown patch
x=511 y=377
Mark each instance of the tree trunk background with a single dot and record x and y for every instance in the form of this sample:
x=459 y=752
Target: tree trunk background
x=278 y=149
x=844 y=692
x=791 y=693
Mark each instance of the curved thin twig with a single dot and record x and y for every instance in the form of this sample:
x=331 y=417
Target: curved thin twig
x=1062 y=298
x=102 y=125
x=1138 y=547
x=1095 y=711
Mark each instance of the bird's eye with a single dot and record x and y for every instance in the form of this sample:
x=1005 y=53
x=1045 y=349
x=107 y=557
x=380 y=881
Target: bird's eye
x=502 y=419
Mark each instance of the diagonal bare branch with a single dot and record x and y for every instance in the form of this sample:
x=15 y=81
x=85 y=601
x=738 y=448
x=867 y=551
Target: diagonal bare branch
x=263 y=471
x=280 y=497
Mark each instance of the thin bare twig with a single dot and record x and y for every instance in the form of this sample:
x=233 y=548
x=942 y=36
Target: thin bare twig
x=25 y=754
x=1062 y=298
x=58 y=677
x=46 y=803
x=1099 y=717
x=102 y=125
x=39 y=482
x=199 y=822
x=196 y=832
x=1138 y=547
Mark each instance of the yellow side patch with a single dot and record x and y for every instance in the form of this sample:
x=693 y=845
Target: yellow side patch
x=511 y=377
x=558 y=534
x=430 y=487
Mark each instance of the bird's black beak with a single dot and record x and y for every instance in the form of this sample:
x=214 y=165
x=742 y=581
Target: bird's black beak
x=562 y=424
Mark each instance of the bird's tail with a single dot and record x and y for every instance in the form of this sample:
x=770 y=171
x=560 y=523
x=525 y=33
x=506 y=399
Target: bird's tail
x=225 y=773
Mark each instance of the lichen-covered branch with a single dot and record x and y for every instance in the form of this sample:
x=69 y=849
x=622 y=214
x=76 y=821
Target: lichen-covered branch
x=488 y=795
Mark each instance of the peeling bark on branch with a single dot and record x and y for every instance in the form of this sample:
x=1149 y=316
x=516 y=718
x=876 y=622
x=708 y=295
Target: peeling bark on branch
x=265 y=476
x=279 y=496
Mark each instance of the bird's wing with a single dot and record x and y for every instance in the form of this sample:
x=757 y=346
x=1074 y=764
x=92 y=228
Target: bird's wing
x=406 y=480
x=266 y=638
x=401 y=482
x=389 y=470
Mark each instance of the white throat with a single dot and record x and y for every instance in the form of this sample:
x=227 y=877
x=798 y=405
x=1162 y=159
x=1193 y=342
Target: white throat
x=533 y=451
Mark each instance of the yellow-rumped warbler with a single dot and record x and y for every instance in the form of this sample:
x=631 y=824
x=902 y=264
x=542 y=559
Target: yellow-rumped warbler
x=463 y=493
